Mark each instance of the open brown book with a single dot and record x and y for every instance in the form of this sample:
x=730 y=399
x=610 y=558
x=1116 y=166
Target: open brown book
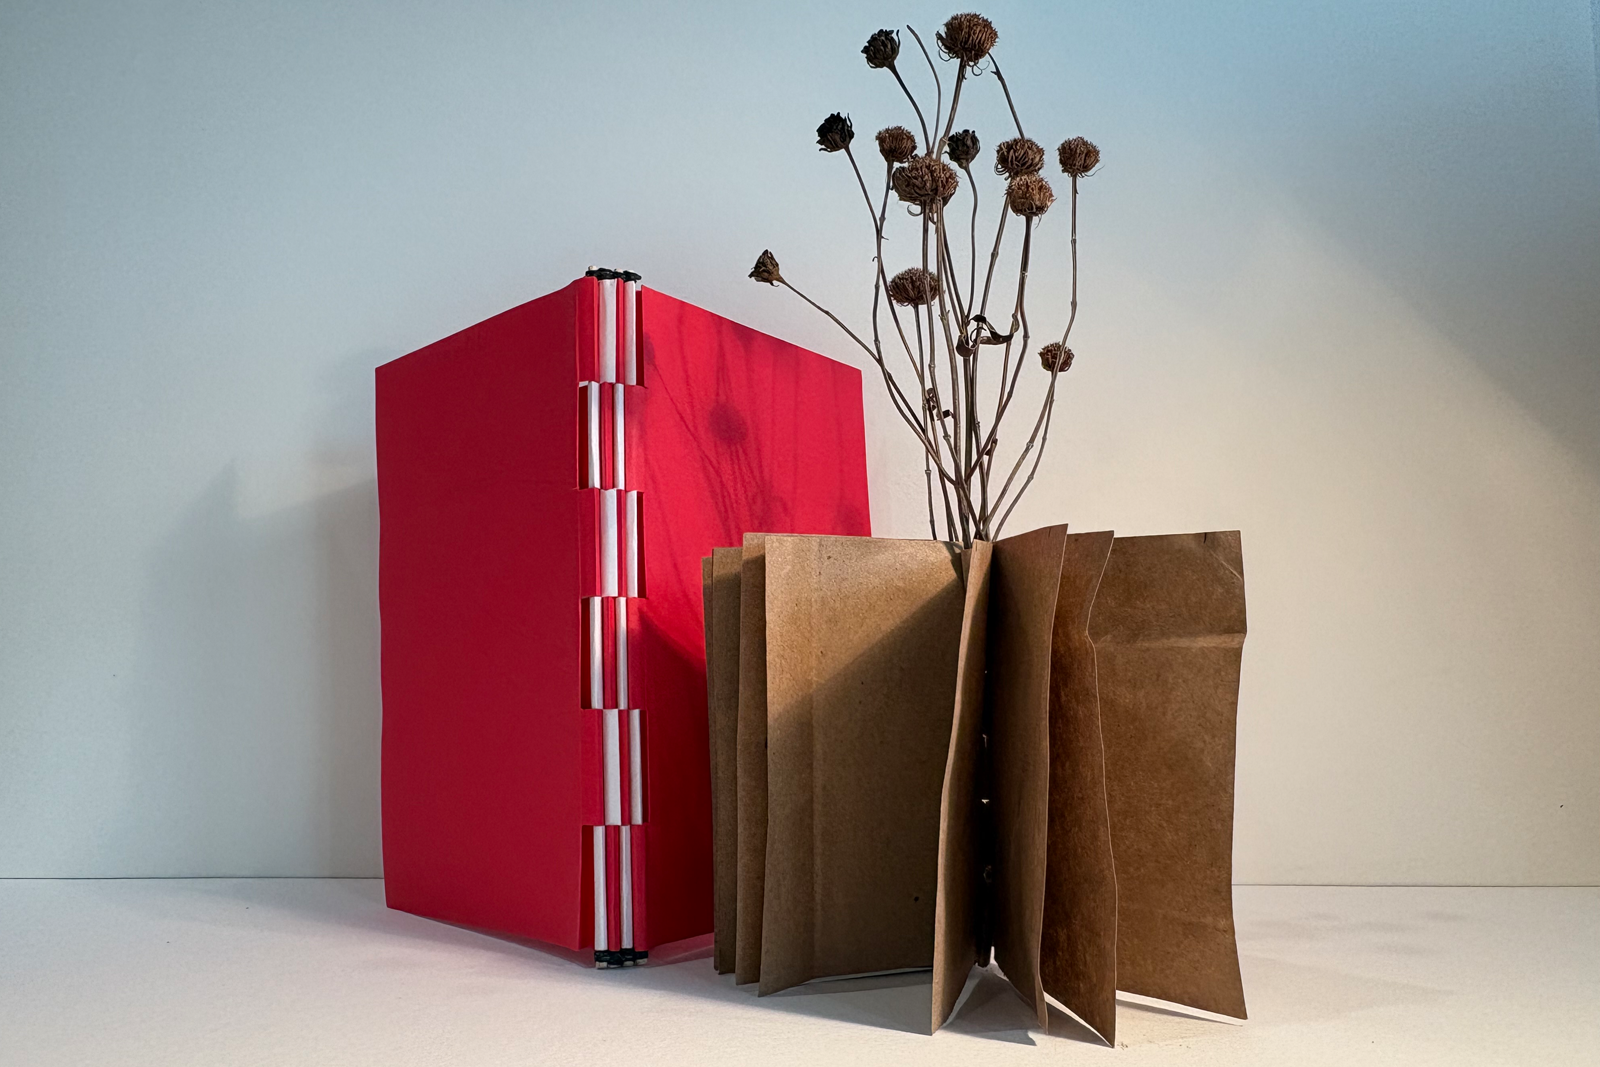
x=921 y=754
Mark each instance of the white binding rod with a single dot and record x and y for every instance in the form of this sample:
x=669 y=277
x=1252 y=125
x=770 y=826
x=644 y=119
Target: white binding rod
x=630 y=333
x=626 y=863
x=611 y=742
x=597 y=655
x=619 y=438
x=601 y=942
x=608 y=542
x=632 y=516
x=635 y=770
x=608 y=330
x=592 y=397
x=622 y=652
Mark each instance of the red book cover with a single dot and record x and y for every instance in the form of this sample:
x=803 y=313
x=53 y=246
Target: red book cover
x=548 y=481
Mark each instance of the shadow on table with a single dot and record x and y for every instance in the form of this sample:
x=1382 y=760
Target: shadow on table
x=988 y=1008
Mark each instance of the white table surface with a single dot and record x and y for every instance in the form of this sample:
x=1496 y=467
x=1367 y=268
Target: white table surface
x=309 y=971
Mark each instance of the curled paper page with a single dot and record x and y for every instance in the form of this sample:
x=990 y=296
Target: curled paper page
x=1168 y=629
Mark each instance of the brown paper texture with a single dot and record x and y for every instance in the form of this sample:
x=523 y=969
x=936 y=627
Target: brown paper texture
x=1168 y=627
x=722 y=674
x=717 y=929
x=751 y=757
x=852 y=682
x=960 y=872
x=862 y=636
x=1024 y=580
x=1078 y=947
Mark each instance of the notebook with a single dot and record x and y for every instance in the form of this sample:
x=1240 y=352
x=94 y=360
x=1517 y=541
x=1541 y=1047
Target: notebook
x=1021 y=751
x=548 y=481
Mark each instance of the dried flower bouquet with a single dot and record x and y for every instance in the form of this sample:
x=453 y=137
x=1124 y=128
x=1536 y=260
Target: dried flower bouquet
x=943 y=328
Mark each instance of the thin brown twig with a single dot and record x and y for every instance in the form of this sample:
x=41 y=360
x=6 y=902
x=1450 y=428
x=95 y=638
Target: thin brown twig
x=994 y=256
x=926 y=140
x=938 y=87
x=1049 y=406
x=897 y=396
x=994 y=65
x=955 y=102
x=1073 y=316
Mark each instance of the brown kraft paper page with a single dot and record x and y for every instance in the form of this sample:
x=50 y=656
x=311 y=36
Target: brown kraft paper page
x=711 y=731
x=1023 y=583
x=862 y=638
x=1078 y=950
x=751 y=758
x=955 y=915
x=722 y=670
x=1168 y=629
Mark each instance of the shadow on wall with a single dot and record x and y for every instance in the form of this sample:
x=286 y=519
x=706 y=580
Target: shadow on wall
x=254 y=745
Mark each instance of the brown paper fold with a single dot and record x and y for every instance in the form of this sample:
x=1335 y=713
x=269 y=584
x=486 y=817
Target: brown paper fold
x=722 y=683
x=1078 y=950
x=751 y=758
x=961 y=852
x=1168 y=628
x=862 y=639
x=1024 y=584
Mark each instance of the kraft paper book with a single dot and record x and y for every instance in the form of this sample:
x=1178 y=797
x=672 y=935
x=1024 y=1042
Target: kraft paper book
x=923 y=756
x=548 y=480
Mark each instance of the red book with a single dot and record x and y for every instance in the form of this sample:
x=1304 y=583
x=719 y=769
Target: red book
x=548 y=481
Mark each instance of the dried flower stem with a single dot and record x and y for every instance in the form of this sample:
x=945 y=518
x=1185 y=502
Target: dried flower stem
x=949 y=347
x=926 y=140
x=1008 y=377
x=955 y=102
x=1072 y=317
x=999 y=232
x=938 y=99
x=901 y=404
x=994 y=65
x=1049 y=410
x=972 y=254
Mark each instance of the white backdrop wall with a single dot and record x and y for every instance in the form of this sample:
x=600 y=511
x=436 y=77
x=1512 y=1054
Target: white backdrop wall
x=1341 y=290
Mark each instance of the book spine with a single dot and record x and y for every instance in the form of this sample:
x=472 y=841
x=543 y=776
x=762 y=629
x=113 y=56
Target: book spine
x=612 y=581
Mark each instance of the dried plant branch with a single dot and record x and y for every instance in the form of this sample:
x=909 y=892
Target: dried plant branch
x=955 y=102
x=895 y=394
x=1049 y=410
x=938 y=87
x=994 y=65
x=994 y=257
x=950 y=346
x=1072 y=316
x=972 y=252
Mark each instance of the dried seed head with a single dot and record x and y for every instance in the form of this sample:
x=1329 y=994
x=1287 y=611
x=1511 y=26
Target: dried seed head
x=925 y=181
x=1078 y=156
x=1056 y=357
x=882 y=49
x=1020 y=155
x=1029 y=195
x=897 y=144
x=967 y=37
x=962 y=147
x=835 y=133
x=766 y=269
x=914 y=287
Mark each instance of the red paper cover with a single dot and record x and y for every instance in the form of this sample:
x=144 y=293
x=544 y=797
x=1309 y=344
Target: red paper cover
x=488 y=542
